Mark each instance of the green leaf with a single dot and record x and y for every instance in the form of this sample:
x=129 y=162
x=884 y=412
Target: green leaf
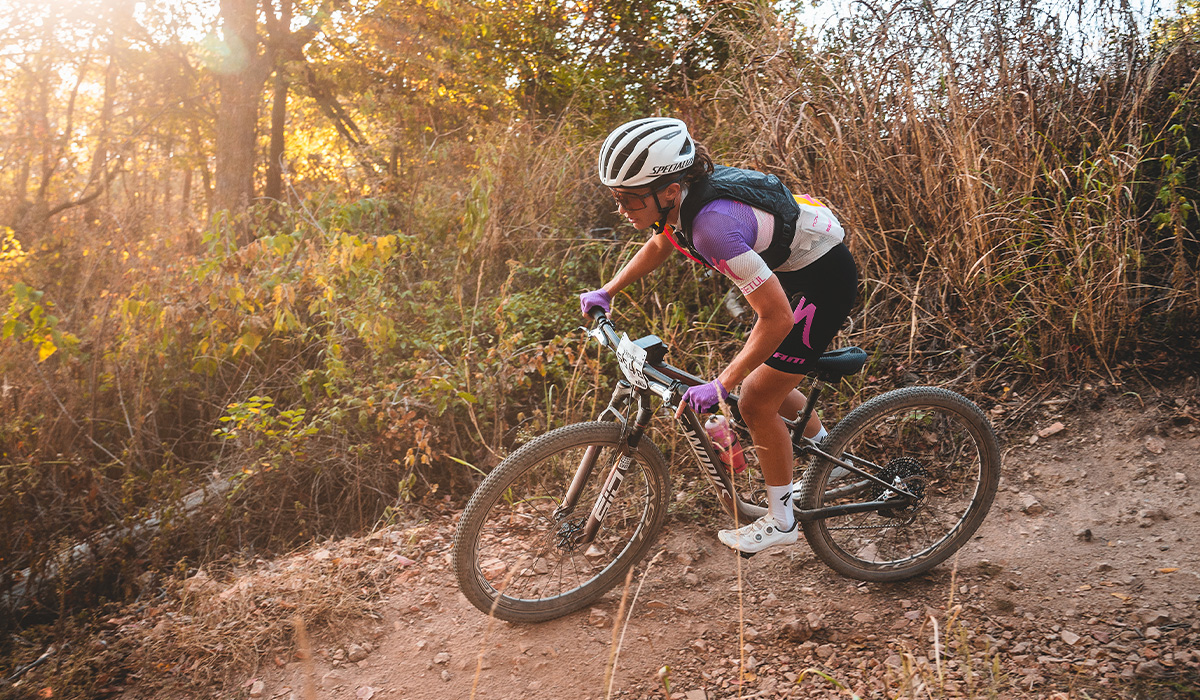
x=838 y=684
x=465 y=463
x=205 y=365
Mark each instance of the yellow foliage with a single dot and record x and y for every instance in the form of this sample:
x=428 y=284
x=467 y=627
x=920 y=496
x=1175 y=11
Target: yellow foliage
x=11 y=252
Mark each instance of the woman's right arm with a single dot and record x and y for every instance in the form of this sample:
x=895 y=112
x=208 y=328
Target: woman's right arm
x=645 y=261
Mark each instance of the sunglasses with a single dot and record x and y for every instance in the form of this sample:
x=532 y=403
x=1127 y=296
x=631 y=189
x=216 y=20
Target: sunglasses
x=635 y=202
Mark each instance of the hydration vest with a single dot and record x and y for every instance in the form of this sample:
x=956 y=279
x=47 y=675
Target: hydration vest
x=756 y=189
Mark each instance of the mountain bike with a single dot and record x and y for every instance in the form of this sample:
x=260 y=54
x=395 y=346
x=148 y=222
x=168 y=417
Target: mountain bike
x=900 y=483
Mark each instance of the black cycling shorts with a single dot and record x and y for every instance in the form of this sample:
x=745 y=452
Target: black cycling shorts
x=821 y=295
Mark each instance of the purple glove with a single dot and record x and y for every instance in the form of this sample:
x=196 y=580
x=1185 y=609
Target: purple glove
x=702 y=398
x=590 y=300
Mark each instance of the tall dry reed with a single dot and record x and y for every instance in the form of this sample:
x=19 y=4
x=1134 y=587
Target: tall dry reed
x=1002 y=180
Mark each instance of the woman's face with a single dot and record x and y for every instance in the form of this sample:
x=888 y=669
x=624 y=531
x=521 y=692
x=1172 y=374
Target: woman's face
x=637 y=204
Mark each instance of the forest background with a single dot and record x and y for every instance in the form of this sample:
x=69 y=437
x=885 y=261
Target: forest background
x=274 y=270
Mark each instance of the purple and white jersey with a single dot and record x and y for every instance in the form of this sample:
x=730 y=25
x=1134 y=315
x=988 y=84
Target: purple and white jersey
x=730 y=235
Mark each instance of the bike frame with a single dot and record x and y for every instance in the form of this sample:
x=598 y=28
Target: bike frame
x=669 y=383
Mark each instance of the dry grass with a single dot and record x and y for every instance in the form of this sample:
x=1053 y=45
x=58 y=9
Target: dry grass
x=214 y=631
x=995 y=180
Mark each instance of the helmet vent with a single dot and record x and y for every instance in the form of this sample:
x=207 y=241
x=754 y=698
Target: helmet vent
x=636 y=165
x=618 y=161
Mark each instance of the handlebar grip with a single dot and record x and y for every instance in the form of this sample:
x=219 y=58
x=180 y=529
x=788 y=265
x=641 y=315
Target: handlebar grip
x=597 y=313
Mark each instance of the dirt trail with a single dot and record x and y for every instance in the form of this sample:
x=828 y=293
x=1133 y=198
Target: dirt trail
x=1085 y=576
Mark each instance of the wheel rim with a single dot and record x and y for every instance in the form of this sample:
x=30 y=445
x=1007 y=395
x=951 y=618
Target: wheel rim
x=929 y=451
x=530 y=557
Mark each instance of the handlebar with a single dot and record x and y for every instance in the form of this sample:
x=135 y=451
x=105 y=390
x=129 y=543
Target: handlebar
x=675 y=380
x=606 y=334
x=605 y=326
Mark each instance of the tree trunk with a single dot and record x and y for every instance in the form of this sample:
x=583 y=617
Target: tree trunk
x=122 y=16
x=185 y=197
x=241 y=81
x=209 y=205
x=274 y=187
x=104 y=130
x=164 y=211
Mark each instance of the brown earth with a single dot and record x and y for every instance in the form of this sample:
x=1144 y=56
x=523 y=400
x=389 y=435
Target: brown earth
x=1084 y=581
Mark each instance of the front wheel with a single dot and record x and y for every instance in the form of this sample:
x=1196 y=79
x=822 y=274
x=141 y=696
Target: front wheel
x=516 y=553
x=931 y=442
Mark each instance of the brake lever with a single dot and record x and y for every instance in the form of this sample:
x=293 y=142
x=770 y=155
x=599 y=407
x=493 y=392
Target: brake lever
x=596 y=333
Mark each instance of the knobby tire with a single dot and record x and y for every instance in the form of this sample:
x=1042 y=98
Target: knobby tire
x=513 y=557
x=929 y=439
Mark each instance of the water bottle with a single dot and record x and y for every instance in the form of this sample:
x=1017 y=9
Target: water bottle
x=729 y=449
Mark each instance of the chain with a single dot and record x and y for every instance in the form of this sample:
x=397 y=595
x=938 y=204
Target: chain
x=875 y=527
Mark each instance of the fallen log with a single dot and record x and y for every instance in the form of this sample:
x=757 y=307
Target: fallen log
x=28 y=584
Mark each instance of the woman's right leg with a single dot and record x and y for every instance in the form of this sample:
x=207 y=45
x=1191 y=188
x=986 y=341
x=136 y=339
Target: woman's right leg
x=793 y=404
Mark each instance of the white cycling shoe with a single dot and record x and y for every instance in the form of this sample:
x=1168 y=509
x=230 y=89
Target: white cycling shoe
x=757 y=536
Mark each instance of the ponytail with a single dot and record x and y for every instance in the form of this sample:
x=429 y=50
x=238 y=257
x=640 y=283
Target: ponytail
x=700 y=169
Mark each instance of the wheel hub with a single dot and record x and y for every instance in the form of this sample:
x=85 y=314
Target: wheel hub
x=567 y=537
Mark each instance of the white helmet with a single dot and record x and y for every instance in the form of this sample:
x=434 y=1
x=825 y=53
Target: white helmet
x=641 y=151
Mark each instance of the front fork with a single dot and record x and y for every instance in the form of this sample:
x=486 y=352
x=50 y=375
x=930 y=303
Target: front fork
x=615 y=411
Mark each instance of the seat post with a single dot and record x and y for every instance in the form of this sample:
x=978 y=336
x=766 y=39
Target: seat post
x=810 y=405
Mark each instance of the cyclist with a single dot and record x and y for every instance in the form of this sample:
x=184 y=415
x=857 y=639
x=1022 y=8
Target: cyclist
x=784 y=252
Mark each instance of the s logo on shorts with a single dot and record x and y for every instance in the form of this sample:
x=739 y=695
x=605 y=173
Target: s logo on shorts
x=804 y=312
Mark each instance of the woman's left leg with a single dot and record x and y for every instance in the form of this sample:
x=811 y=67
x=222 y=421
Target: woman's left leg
x=822 y=295
x=763 y=393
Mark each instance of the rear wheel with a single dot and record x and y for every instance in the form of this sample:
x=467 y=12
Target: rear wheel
x=516 y=555
x=931 y=442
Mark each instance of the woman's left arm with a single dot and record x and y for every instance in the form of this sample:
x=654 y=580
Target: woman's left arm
x=774 y=323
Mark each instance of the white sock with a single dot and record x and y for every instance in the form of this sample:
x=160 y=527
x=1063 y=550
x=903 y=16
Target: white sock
x=779 y=506
x=820 y=435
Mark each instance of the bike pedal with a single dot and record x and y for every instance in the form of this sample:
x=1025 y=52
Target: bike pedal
x=746 y=555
